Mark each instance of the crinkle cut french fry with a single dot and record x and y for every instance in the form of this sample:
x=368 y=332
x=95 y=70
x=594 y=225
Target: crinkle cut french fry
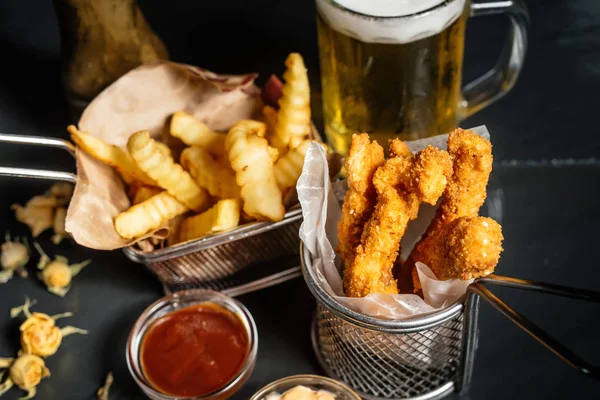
x=148 y=215
x=195 y=133
x=173 y=225
x=251 y=160
x=270 y=119
x=289 y=167
x=222 y=216
x=110 y=154
x=144 y=193
x=273 y=153
x=293 y=117
x=212 y=173
x=169 y=175
x=163 y=148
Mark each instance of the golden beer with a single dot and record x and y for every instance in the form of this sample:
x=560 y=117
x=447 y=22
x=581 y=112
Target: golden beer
x=408 y=89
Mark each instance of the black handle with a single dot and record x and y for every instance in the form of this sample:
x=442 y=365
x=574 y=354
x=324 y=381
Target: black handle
x=478 y=290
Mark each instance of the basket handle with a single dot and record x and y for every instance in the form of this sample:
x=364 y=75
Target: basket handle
x=478 y=290
x=263 y=283
x=38 y=173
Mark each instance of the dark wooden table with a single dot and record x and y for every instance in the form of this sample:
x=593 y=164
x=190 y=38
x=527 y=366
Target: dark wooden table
x=549 y=209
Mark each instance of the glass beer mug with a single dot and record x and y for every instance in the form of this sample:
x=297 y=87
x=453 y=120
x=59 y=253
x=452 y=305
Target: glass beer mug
x=393 y=68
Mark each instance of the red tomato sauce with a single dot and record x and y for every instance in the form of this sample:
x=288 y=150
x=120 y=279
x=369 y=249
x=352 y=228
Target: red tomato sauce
x=194 y=351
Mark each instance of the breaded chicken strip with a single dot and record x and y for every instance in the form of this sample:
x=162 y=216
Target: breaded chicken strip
x=369 y=272
x=430 y=174
x=397 y=148
x=466 y=248
x=466 y=190
x=402 y=183
x=363 y=160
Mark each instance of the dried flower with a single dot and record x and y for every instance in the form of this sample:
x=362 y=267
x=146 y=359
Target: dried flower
x=39 y=212
x=37 y=217
x=39 y=334
x=25 y=372
x=14 y=257
x=62 y=192
x=102 y=393
x=59 y=225
x=57 y=274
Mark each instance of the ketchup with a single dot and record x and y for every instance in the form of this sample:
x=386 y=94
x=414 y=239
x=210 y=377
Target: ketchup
x=194 y=351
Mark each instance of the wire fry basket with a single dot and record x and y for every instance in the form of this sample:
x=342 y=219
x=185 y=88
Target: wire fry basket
x=424 y=357
x=218 y=262
x=251 y=257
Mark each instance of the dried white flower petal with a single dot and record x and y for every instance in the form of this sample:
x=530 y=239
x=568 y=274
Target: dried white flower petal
x=38 y=218
x=71 y=330
x=62 y=192
x=58 y=291
x=6 y=275
x=42 y=200
x=76 y=268
x=6 y=385
x=59 y=225
x=6 y=362
x=61 y=259
x=13 y=258
x=102 y=393
x=15 y=311
x=14 y=255
x=47 y=210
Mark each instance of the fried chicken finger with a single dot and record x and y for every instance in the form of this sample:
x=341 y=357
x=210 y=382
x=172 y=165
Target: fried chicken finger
x=363 y=160
x=371 y=270
x=466 y=190
x=464 y=249
x=402 y=183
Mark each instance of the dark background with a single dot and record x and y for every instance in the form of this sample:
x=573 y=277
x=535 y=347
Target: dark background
x=549 y=210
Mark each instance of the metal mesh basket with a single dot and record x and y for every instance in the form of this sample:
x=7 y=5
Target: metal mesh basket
x=248 y=258
x=389 y=365
x=417 y=358
x=219 y=262
x=423 y=357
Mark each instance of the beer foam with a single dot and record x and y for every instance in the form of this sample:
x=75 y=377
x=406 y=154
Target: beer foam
x=390 y=21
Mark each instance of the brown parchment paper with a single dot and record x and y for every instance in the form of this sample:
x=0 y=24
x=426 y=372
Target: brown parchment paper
x=145 y=98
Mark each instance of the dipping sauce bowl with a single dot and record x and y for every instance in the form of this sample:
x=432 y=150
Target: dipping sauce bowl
x=192 y=345
x=338 y=390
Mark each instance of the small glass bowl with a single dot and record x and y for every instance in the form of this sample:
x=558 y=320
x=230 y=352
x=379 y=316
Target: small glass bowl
x=175 y=302
x=314 y=382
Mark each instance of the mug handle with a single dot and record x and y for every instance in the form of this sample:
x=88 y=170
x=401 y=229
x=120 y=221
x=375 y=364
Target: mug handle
x=493 y=85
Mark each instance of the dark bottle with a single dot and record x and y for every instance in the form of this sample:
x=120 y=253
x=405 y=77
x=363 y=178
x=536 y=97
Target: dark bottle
x=102 y=40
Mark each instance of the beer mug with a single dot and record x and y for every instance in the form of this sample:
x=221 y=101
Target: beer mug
x=394 y=68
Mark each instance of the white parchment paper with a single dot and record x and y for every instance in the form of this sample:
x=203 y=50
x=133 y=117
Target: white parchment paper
x=321 y=211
